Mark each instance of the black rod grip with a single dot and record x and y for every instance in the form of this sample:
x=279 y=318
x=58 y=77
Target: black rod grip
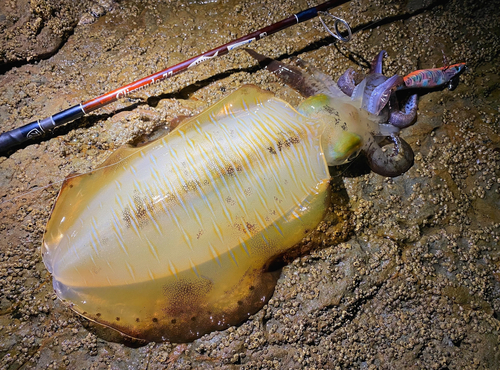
x=34 y=129
x=19 y=135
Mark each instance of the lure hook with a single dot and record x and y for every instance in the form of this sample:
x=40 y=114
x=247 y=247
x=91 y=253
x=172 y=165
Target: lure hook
x=337 y=21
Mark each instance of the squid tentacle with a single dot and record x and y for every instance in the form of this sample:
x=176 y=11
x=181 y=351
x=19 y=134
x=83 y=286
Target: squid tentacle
x=321 y=77
x=390 y=163
x=347 y=82
x=291 y=75
x=403 y=118
x=376 y=65
x=381 y=94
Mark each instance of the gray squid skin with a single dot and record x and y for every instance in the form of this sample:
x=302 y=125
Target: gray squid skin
x=391 y=163
x=377 y=93
x=346 y=82
x=406 y=117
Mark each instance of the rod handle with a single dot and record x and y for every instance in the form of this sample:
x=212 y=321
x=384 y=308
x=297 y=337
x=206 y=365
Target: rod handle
x=38 y=128
x=19 y=135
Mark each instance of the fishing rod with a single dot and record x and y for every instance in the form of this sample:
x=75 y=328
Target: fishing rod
x=39 y=127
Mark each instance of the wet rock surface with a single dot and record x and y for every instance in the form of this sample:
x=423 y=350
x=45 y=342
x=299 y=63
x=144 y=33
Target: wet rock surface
x=415 y=282
x=31 y=30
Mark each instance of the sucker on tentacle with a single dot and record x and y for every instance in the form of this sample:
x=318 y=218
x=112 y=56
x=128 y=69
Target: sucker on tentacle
x=381 y=94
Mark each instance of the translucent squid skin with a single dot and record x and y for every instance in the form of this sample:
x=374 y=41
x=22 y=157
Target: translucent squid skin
x=171 y=240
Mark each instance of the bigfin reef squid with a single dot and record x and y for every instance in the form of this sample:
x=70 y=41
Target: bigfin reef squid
x=172 y=240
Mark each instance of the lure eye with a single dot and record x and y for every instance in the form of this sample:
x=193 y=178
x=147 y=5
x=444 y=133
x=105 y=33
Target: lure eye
x=458 y=68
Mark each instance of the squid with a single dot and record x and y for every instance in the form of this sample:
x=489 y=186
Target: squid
x=174 y=239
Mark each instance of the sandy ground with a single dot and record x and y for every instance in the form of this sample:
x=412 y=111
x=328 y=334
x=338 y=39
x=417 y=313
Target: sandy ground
x=414 y=280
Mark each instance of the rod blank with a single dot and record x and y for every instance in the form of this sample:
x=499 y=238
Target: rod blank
x=40 y=127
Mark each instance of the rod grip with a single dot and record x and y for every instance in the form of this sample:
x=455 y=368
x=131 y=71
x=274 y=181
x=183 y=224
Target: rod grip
x=31 y=130
x=19 y=135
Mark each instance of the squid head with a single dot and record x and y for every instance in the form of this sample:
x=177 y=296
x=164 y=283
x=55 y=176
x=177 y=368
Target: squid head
x=350 y=114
